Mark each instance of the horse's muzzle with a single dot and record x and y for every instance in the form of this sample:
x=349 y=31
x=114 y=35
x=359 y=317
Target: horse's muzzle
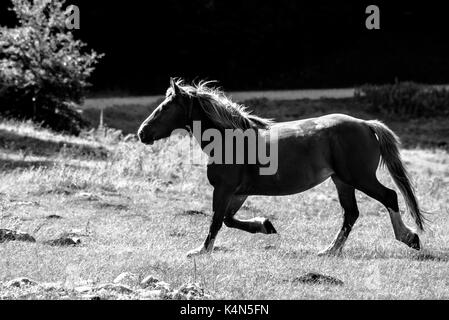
x=145 y=138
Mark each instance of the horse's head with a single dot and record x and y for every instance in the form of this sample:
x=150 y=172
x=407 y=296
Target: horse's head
x=171 y=114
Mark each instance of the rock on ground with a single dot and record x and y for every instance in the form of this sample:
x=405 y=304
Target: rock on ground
x=10 y=235
x=148 y=281
x=64 y=241
x=317 y=278
x=125 y=286
x=21 y=282
x=127 y=278
x=119 y=288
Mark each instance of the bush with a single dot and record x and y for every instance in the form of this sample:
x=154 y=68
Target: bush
x=406 y=99
x=43 y=69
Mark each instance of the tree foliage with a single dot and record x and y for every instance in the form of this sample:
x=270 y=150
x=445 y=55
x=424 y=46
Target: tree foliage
x=43 y=68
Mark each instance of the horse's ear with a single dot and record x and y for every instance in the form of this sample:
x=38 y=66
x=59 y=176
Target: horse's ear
x=175 y=86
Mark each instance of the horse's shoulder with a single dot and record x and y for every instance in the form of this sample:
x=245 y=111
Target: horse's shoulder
x=219 y=174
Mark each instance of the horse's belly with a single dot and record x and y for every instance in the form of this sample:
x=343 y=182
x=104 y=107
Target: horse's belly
x=286 y=182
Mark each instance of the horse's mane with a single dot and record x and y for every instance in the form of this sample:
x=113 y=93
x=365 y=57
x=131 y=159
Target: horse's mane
x=220 y=109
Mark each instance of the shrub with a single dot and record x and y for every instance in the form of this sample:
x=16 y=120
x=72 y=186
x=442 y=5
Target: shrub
x=43 y=69
x=406 y=99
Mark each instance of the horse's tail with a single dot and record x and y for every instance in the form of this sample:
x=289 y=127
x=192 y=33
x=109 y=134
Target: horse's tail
x=391 y=158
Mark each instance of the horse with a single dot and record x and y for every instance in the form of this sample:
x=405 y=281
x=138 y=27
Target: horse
x=346 y=149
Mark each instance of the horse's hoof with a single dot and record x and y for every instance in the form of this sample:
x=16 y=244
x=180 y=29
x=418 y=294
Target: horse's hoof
x=414 y=243
x=269 y=228
x=329 y=253
x=324 y=253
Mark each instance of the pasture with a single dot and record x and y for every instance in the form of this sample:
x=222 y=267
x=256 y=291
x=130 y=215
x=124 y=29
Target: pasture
x=139 y=209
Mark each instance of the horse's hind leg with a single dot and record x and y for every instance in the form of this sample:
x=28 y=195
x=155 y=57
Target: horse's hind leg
x=373 y=188
x=254 y=225
x=346 y=195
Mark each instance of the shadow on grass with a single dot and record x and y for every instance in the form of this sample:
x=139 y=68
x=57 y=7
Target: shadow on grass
x=222 y=249
x=10 y=165
x=191 y=213
x=424 y=255
x=7 y=165
x=40 y=147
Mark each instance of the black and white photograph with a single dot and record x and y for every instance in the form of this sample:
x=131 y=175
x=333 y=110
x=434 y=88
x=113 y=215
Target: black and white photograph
x=208 y=150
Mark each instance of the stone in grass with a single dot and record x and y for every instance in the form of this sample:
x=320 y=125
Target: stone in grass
x=176 y=295
x=150 y=294
x=193 y=291
x=118 y=288
x=10 y=235
x=194 y=213
x=54 y=216
x=149 y=281
x=91 y=297
x=51 y=286
x=104 y=294
x=84 y=289
x=64 y=241
x=21 y=282
x=161 y=285
x=317 y=278
x=127 y=278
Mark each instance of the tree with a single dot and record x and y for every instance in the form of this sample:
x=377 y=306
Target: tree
x=43 y=68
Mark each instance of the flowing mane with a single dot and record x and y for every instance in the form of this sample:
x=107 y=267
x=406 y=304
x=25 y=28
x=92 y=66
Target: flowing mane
x=220 y=109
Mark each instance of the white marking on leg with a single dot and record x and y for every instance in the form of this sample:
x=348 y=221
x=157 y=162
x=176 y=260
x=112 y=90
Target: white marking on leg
x=260 y=220
x=210 y=247
x=202 y=250
x=336 y=246
x=340 y=240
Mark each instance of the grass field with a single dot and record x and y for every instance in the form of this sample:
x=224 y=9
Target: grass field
x=139 y=209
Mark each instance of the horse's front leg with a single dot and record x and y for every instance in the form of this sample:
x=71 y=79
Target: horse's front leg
x=254 y=225
x=220 y=202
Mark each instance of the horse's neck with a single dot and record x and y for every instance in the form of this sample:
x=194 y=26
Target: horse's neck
x=199 y=127
x=201 y=123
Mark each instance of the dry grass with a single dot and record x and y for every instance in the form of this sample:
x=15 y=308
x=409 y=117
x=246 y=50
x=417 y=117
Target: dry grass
x=130 y=205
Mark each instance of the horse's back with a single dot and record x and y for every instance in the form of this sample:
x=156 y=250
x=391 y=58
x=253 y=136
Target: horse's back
x=310 y=125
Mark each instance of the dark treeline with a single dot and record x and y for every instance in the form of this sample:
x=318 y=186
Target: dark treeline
x=260 y=44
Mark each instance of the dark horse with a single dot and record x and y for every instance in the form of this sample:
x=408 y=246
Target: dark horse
x=310 y=151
